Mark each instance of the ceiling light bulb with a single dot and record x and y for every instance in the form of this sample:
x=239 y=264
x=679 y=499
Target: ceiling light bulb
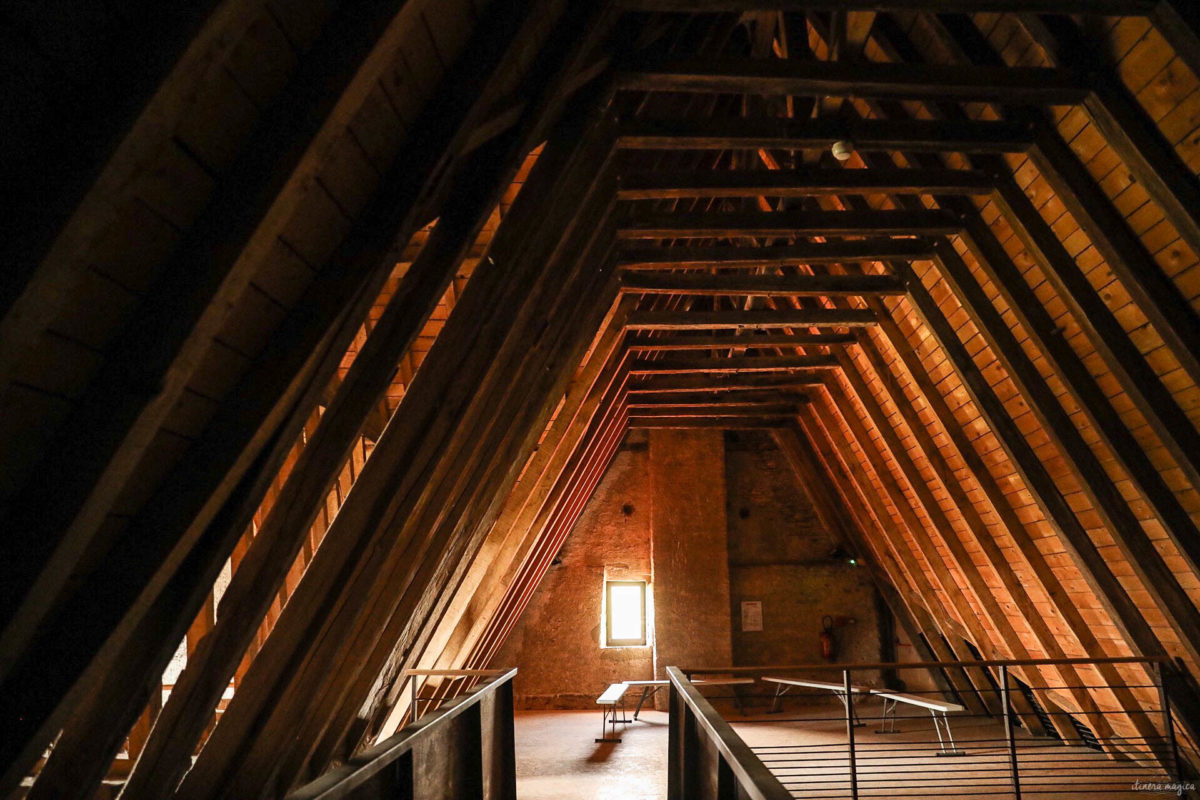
x=842 y=150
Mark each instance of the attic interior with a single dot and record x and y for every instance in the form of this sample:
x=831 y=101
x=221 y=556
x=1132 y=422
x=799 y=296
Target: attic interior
x=354 y=354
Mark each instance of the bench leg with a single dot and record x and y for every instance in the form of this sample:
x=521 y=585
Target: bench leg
x=647 y=693
x=620 y=707
x=858 y=723
x=777 y=702
x=938 y=724
x=608 y=714
x=887 y=722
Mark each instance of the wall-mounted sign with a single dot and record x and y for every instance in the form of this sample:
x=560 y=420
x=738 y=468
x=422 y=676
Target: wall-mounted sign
x=752 y=615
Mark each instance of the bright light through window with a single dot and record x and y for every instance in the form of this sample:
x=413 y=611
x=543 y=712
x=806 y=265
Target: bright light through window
x=626 y=613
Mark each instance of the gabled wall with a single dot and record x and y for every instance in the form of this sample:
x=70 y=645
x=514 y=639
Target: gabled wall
x=720 y=519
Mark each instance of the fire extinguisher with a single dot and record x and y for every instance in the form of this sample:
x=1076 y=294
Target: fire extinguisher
x=828 y=643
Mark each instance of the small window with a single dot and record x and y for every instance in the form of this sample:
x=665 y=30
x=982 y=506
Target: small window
x=625 y=617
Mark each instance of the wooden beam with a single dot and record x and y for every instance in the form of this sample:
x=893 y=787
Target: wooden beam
x=876 y=501
x=175 y=547
x=729 y=224
x=1099 y=487
x=717 y=382
x=959 y=33
x=770 y=285
x=64 y=150
x=791 y=134
x=1125 y=126
x=711 y=399
x=1029 y=85
x=689 y=410
x=284 y=530
x=1116 y=8
x=685 y=341
x=819 y=483
x=1125 y=360
x=858 y=504
x=777 y=255
x=754 y=319
x=1034 y=559
x=1155 y=294
x=723 y=423
x=1092 y=564
x=799 y=183
x=1179 y=23
x=980 y=535
x=737 y=364
x=318 y=636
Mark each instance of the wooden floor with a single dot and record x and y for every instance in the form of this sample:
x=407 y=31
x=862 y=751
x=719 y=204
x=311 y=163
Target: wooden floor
x=557 y=758
x=807 y=752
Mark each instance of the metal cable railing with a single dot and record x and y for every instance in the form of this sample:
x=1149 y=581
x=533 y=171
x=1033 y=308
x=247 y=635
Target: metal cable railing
x=971 y=728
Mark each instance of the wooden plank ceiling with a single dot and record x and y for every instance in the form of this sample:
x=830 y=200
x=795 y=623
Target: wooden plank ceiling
x=320 y=322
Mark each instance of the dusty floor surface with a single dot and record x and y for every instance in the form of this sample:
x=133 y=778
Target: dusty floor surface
x=806 y=750
x=557 y=758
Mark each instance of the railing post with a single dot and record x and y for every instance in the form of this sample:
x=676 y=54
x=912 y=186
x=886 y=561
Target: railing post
x=1008 y=732
x=1164 y=701
x=502 y=771
x=850 y=733
x=675 y=750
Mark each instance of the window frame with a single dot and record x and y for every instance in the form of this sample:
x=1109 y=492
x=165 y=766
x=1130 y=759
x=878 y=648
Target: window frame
x=609 y=641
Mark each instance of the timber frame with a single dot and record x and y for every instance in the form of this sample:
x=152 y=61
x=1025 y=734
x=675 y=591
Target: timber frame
x=321 y=323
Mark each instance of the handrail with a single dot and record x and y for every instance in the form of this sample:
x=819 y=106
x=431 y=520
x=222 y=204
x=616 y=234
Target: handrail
x=340 y=782
x=754 y=779
x=1027 y=662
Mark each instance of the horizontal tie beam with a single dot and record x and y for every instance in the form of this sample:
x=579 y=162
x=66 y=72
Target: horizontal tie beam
x=800 y=183
x=753 y=319
x=712 y=225
x=685 y=341
x=724 y=383
x=771 y=285
x=712 y=400
x=722 y=423
x=776 y=76
x=967 y=136
x=739 y=364
x=854 y=251
x=703 y=412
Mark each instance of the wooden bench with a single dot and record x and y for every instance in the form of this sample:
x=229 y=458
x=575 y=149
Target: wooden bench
x=612 y=704
x=649 y=689
x=613 y=697
x=783 y=685
x=887 y=722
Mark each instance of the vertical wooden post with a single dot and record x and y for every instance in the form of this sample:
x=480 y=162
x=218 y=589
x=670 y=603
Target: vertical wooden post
x=675 y=745
x=502 y=772
x=1171 y=758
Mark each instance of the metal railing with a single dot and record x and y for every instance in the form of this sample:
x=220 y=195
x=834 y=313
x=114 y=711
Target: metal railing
x=463 y=749
x=1003 y=726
